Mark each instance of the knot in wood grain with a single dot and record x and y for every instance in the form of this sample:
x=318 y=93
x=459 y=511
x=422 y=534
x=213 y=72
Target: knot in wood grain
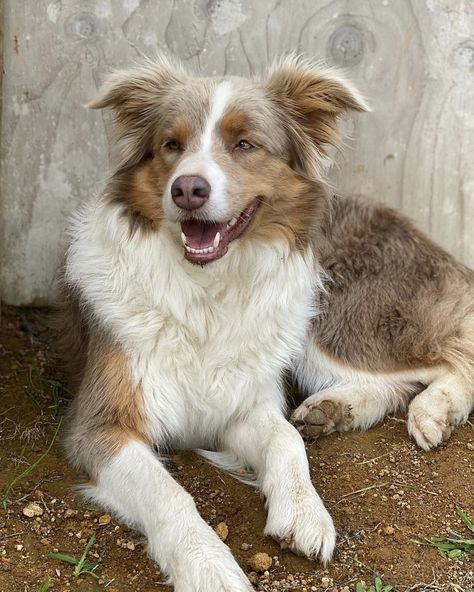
x=346 y=45
x=463 y=56
x=82 y=26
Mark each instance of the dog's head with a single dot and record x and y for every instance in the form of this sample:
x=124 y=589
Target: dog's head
x=225 y=158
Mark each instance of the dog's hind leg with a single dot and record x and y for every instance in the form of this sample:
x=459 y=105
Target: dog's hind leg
x=436 y=411
x=347 y=407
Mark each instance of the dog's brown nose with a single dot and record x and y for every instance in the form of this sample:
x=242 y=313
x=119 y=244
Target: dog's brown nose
x=190 y=192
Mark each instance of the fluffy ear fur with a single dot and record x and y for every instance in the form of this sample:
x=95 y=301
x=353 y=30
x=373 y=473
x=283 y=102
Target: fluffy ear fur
x=135 y=96
x=310 y=100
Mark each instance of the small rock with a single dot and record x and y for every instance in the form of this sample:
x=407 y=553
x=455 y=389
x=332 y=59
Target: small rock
x=245 y=546
x=470 y=446
x=18 y=547
x=326 y=582
x=31 y=510
x=253 y=577
x=389 y=530
x=70 y=513
x=260 y=562
x=104 y=519
x=222 y=531
x=130 y=545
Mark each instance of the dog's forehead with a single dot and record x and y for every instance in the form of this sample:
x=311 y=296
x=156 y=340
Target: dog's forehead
x=201 y=99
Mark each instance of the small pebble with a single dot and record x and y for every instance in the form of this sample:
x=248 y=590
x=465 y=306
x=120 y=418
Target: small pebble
x=104 y=519
x=222 y=531
x=69 y=513
x=389 y=530
x=31 y=510
x=260 y=562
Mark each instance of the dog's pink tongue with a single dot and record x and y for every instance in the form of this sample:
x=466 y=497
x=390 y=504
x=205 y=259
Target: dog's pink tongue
x=199 y=234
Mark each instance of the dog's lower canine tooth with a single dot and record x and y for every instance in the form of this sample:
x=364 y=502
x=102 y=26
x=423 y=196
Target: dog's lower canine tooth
x=217 y=240
x=183 y=238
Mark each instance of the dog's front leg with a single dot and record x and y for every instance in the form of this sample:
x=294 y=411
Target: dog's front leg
x=267 y=443
x=135 y=485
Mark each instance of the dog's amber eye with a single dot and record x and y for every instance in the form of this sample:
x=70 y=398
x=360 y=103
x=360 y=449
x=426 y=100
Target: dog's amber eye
x=172 y=145
x=245 y=145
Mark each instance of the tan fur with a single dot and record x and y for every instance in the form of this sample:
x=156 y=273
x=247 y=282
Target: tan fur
x=107 y=410
x=395 y=300
x=310 y=101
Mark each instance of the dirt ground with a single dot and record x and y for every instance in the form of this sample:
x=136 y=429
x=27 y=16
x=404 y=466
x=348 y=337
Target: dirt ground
x=381 y=490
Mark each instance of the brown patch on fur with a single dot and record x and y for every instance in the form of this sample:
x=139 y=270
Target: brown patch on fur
x=234 y=126
x=182 y=131
x=395 y=300
x=108 y=408
x=140 y=189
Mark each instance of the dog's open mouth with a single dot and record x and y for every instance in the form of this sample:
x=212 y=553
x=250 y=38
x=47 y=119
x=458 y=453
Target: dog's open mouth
x=205 y=241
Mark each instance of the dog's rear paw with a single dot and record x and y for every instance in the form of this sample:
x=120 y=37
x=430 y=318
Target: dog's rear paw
x=428 y=426
x=318 y=416
x=305 y=527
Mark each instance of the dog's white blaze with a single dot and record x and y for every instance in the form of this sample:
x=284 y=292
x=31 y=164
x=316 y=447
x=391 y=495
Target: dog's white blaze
x=203 y=163
x=219 y=102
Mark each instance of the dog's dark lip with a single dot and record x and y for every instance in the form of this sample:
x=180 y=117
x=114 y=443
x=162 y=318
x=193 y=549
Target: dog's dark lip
x=199 y=236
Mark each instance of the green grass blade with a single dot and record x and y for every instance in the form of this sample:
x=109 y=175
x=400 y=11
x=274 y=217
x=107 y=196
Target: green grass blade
x=465 y=518
x=80 y=565
x=29 y=469
x=44 y=587
x=62 y=557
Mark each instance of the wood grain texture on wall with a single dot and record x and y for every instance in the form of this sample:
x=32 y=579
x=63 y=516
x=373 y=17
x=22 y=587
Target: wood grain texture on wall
x=413 y=59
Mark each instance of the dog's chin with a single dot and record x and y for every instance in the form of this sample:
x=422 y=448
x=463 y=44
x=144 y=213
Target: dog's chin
x=205 y=241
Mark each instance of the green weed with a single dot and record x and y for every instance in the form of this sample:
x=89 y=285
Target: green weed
x=377 y=586
x=81 y=565
x=454 y=545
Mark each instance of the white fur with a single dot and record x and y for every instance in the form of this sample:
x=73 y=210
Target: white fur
x=359 y=400
x=202 y=163
x=368 y=397
x=444 y=404
x=186 y=548
x=208 y=346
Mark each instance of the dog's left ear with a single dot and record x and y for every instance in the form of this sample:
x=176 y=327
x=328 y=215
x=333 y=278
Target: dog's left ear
x=310 y=101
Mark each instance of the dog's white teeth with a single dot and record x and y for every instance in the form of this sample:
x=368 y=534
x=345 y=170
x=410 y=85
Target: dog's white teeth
x=183 y=238
x=199 y=251
x=217 y=240
x=233 y=222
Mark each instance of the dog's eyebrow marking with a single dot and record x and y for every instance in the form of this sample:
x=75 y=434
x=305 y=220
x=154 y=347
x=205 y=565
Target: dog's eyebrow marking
x=219 y=102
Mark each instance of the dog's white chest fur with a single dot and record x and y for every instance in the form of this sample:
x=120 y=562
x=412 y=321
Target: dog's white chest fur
x=205 y=344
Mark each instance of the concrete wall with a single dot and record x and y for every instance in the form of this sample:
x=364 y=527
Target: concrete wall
x=414 y=59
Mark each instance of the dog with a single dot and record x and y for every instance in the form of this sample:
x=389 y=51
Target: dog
x=216 y=260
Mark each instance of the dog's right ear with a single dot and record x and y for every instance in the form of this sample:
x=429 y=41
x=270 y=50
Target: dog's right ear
x=136 y=99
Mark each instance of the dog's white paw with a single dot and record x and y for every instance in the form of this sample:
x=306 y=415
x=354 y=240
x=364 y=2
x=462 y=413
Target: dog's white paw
x=203 y=563
x=319 y=416
x=429 y=422
x=303 y=526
